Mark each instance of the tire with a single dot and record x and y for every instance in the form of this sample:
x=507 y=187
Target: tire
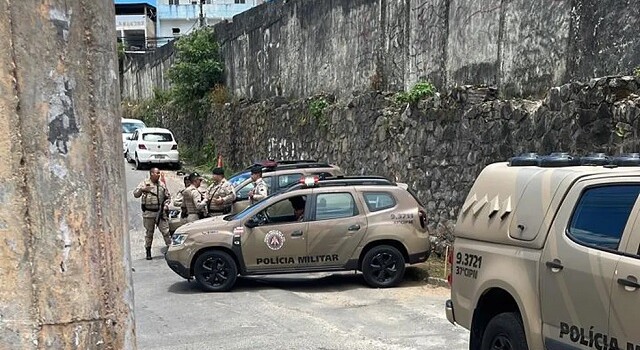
x=383 y=266
x=139 y=164
x=126 y=156
x=504 y=332
x=225 y=268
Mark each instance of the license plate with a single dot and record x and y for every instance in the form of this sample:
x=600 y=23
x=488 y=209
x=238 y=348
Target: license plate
x=160 y=156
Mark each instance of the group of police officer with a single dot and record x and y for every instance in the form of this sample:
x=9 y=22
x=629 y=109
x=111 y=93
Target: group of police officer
x=195 y=202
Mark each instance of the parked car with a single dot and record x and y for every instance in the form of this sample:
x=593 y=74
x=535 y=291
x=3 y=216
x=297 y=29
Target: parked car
x=368 y=224
x=128 y=127
x=152 y=146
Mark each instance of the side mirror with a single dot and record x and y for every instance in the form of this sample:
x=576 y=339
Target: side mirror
x=251 y=223
x=128 y=138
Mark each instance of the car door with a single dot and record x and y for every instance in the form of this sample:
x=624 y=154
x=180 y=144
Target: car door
x=336 y=227
x=624 y=317
x=579 y=260
x=242 y=193
x=133 y=144
x=278 y=242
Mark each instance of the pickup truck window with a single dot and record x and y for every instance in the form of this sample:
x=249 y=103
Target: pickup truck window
x=601 y=215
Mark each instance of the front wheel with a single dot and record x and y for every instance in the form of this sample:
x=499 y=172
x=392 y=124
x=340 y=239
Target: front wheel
x=215 y=271
x=383 y=266
x=504 y=332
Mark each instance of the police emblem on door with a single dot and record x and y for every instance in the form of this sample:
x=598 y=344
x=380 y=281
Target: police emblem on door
x=274 y=239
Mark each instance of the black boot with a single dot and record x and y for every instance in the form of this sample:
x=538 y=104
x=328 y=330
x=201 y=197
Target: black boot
x=148 y=253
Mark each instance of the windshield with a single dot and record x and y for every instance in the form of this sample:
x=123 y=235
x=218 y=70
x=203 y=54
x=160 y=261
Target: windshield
x=129 y=128
x=239 y=178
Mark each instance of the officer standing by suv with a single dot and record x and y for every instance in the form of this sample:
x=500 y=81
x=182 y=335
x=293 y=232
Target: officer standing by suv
x=219 y=196
x=155 y=201
x=260 y=189
x=192 y=198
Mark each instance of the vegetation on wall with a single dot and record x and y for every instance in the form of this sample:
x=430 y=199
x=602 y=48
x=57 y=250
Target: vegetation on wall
x=417 y=92
x=636 y=71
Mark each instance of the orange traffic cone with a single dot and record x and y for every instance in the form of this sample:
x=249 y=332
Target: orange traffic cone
x=219 y=160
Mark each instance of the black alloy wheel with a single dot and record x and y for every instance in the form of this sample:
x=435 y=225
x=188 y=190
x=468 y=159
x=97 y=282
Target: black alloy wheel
x=383 y=266
x=215 y=271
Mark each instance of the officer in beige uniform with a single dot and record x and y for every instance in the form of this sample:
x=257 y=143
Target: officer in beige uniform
x=260 y=189
x=155 y=201
x=219 y=196
x=178 y=200
x=192 y=198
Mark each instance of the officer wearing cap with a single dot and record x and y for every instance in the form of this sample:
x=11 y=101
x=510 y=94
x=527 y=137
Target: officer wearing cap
x=260 y=189
x=192 y=198
x=219 y=196
x=178 y=200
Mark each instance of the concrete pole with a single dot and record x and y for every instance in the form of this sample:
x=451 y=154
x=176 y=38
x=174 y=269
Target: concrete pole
x=64 y=252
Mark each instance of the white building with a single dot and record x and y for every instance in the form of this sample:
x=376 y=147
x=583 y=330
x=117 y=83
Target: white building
x=179 y=17
x=136 y=26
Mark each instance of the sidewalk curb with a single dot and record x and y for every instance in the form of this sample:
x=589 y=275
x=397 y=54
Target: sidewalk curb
x=440 y=282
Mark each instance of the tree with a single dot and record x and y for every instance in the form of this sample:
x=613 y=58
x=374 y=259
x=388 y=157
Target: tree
x=198 y=67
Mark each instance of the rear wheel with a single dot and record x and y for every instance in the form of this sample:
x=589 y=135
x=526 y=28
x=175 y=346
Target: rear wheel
x=383 y=266
x=139 y=164
x=215 y=271
x=504 y=332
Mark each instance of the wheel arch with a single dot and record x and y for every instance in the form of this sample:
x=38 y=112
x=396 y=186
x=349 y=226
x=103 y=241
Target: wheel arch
x=390 y=242
x=213 y=248
x=492 y=302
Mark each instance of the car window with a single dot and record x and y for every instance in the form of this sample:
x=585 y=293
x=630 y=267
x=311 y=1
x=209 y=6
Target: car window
x=243 y=193
x=335 y=206
x=379 y=200
x=237 y=179
x=601 y=215
x=157 y=137
x=129 y=127
x=286 y=210
x=288 y=180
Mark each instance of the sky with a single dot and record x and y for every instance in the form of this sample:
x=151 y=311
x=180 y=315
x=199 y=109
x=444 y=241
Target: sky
x=152 y=2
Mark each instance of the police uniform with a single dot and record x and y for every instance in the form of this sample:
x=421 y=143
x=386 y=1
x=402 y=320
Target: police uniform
x=260 y=189
x=192 y=200
x=222 y=190
x=153 y=203
x=178 y=201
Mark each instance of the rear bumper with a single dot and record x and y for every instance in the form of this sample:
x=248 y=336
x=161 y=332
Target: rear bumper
x=448 y=307
x=158 y=157
x=419 y=257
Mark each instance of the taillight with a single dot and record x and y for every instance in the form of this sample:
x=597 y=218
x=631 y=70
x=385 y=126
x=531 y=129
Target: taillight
x=450 y=262
x=141 y=146
x=175 y=147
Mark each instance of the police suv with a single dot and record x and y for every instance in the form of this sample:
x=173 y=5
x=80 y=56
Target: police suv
x=368 y=224
x=547 y=254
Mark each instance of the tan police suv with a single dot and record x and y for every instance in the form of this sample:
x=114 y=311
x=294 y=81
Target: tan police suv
x=547 y=254
x=368 y=224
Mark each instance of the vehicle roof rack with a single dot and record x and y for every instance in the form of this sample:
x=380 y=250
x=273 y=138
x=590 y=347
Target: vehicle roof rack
x=563 y=159
x=347 y=181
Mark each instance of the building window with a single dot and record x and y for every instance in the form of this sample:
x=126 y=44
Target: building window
x=175 y=31
x=174 y=2
x=239 y=1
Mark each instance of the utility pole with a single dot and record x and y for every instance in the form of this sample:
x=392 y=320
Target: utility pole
x=201 y=14
x=64 y=257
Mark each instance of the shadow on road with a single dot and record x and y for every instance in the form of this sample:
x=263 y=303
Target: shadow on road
x=336 y=282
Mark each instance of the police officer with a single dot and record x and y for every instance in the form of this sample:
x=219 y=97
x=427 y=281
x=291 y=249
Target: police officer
x=192 y=198
x=178 y=201
x=260 y=190
x=155 y=202
x=220 y=195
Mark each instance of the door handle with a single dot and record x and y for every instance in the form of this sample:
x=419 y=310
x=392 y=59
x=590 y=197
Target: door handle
x=296 y=233
x=554 y=265
x=628 y=283
x=355 y=227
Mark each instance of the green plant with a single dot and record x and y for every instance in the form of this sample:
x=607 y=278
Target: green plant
x=636 y=71
x=417 y=92
x=197 y=69
x=317 y=107
x=622 y=130
x=120 y=48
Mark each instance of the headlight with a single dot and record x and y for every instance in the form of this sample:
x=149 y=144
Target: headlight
x=178 y=239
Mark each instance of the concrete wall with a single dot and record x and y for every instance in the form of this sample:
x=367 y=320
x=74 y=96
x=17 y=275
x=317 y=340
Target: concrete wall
x=142 y=73
x=301 y=47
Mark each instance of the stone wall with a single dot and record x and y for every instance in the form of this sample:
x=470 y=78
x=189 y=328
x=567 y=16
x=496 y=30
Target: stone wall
x=437 y=146
x=142 y=73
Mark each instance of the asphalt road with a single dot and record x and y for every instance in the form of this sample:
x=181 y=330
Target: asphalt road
x=307 y=311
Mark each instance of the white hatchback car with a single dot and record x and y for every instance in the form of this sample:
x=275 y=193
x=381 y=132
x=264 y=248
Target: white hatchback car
x=128 y=127
x=152 y=146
